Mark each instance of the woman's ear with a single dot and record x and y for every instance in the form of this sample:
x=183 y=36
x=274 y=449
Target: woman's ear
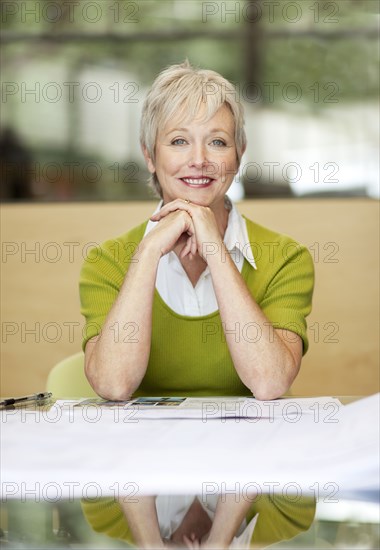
x=148 y=160
x=243 y=151
x=241 y=156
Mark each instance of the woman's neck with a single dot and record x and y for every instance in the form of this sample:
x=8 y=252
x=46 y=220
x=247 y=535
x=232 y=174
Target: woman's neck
x=221 y=213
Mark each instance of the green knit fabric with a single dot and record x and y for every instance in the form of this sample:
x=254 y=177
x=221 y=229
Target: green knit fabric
x=189 y=355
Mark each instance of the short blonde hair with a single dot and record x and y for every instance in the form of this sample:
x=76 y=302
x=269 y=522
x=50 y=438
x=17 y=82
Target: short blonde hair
x=185 y=89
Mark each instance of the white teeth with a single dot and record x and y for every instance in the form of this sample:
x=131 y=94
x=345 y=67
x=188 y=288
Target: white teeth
x=198 y=181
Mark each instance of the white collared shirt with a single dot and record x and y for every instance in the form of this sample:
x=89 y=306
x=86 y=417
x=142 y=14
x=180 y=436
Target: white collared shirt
x=201 y=299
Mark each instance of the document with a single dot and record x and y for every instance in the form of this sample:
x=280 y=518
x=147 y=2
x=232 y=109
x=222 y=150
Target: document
x=208 y=408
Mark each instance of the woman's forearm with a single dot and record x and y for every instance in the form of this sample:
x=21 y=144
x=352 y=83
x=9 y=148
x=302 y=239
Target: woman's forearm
x=262 y=360
x=117 y=359
x=230 y=511
x=142 y=520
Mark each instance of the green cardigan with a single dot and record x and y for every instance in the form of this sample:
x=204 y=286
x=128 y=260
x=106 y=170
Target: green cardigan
x=189 y=355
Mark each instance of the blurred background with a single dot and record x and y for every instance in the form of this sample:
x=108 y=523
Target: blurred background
x=74 y=75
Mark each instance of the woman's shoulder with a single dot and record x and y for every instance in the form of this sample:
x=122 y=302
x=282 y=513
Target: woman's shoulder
x=272 y=246
x=261 y=233
x=118 y=249
x=132 y=236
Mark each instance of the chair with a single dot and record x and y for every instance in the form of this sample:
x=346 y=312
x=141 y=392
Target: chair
x=67 y=379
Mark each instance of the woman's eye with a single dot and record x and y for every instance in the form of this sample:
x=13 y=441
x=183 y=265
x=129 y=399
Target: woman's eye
x=218 y=142
x=178 y=141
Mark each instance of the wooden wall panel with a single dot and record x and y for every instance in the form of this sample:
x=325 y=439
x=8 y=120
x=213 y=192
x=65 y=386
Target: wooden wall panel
x=40 y=316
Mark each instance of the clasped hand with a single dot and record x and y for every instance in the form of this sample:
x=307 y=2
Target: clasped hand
x=187 y=227
x=191 y=542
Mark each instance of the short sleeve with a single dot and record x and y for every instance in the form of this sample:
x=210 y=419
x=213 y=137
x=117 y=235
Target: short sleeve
x=101 y=277
x=100 y=280
x=288 y=297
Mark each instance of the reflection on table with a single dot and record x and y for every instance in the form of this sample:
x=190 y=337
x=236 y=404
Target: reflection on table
x=29 y=524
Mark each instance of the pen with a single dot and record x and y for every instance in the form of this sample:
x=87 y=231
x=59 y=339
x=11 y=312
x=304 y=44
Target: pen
x=35 y=397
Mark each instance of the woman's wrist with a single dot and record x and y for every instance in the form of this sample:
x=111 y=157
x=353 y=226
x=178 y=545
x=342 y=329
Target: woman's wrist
x=216 y=254
x=148 y=250
x=216 y=540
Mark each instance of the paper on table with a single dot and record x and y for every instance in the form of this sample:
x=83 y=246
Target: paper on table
x=208 y=408
x=86 y=453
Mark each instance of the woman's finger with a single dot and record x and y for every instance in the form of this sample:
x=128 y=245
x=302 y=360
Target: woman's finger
x=191 y=247
x=194 y=543
x=187 y=248
x=194 y=246
x=188 y=542
x=178 y=204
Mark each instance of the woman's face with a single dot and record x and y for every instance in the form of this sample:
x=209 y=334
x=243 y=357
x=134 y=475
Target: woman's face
x=196 y=161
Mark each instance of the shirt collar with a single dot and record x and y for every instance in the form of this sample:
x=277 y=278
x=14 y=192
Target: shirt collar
x=235 y=238
x=236 y=235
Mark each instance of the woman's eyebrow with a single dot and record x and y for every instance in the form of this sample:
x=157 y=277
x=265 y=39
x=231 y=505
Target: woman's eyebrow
x=212 y=131
x=215 y=130
x=176 y=130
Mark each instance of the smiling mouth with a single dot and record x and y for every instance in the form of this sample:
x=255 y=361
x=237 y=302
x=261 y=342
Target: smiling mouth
x=197 y=181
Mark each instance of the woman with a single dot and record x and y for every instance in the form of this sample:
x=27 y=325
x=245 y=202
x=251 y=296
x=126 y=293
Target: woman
x=198 y=300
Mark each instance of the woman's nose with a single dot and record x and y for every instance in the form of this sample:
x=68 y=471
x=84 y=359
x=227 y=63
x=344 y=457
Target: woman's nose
x=198 y=156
